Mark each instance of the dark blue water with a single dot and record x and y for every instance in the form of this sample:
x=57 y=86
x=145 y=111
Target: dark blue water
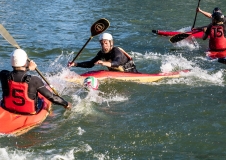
x=181 y=118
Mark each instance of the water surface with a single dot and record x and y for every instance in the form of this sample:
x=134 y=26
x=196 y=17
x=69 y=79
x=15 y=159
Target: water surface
x=182 y=118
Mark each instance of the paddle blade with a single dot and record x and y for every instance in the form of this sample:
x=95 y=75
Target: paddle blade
x=99 y=26
x=8 y=37
x=179 y=37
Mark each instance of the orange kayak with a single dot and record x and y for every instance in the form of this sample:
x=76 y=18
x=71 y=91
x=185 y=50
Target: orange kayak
x=17 y=124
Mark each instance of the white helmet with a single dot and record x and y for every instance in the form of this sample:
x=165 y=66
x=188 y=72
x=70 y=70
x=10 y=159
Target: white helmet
x=106 y=36
x=18 y=58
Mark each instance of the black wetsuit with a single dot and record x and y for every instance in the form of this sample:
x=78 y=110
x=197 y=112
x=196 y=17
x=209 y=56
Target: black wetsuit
x=115 y=56
x=35 y=85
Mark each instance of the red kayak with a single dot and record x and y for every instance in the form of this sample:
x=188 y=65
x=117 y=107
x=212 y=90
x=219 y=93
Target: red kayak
x=214 y=54
x=17 y=124
x=194 y=33
x=128 y=76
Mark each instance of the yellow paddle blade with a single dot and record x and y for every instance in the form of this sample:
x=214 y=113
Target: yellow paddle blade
x=8 y=37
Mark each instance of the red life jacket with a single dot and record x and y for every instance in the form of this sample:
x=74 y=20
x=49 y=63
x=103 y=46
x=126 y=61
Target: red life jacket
x=18 y=99
x=217 y=40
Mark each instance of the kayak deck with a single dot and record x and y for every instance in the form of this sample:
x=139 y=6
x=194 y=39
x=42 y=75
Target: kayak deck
x=126 y=76
x=173 y=33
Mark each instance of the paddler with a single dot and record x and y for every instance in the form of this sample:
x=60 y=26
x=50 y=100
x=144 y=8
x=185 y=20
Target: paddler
x=20 y=90
x=114 y=58
x=217 y=33
x=216 y=43
x=208 y=15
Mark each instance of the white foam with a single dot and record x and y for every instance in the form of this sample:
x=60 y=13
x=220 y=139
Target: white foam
x=7 y=154
x=197 y=74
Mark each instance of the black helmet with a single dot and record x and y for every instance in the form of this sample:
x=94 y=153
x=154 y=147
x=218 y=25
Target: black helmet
x=217 y=9
x=218 y=17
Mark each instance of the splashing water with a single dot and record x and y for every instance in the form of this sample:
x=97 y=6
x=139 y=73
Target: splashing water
x=84 y=101
x=196 y=74
x=170 y=63
x=189 y=42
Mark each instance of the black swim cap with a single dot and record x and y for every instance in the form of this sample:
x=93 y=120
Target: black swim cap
x=219 y=17
x=217 y=9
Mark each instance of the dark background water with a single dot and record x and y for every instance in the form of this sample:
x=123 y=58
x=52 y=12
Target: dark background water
x=181 y=118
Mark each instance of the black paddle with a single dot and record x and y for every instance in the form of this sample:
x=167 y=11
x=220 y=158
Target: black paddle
x=12 y=41
x=181 y=36
x=98 y=27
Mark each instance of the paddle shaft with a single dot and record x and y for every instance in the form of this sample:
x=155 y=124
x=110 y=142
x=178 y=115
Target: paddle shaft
x=181 y=36
x=81 y=49
x=195 y=16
